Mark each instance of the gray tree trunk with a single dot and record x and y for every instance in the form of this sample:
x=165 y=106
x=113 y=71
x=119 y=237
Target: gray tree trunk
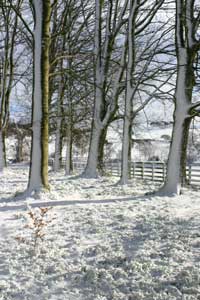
x=38 y=175
x=187 y=48
x=104 y=111
x=69 y=164
x=2 y=156
x=58 y=150
x=91 y=170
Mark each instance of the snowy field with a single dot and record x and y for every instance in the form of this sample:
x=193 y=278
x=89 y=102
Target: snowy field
x=94 y=240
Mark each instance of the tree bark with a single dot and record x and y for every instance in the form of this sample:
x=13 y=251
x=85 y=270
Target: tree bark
x=6 y=74
x=69 y=164
x=178 y=149
x=58 y=146
x=91 y=170
x=104 y=110
x=186 y=50
x=101 y=163
x=130 y=89
x=19 y=149
x=126 y=142
x=2 y=161
x=59 y=126
x=38 y=175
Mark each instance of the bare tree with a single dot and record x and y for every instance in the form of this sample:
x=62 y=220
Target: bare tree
x=8 y=34
x=69 y=74
x=143 y=72
x=109 y=19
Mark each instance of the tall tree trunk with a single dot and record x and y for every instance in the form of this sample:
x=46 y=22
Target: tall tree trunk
x=176 y=166
x=102 y=140
x=130 y=89
x=126 y=143
x=69 y=143
x=96 y=130
x=59 y=127
x=104 y=109
x=58 y=146
x=60 y=110
x=38 y=176
x=7 y=73
x=187 y=48
x=4 y=149
x=91 y=170
x=19 y=149
x=178 y=148
x=69 y=113
x=2 y=160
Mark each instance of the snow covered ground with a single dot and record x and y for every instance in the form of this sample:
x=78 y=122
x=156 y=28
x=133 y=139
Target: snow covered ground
x=94 y=240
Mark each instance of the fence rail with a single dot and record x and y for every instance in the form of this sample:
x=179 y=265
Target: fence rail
x=154 y=171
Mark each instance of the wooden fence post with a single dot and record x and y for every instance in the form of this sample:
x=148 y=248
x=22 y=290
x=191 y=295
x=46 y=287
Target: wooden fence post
x=142 y=171
x=163 y=168
x=119 y=169
x=133 y=169
x=189 y=174
x=152 y=168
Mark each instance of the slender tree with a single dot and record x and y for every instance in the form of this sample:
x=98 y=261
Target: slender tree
x=38 y=177
x=108 y=23
x=69 y=74
x=142 y=72
x=9 y=20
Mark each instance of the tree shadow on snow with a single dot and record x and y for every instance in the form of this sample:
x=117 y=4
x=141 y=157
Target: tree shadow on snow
x=37 y=203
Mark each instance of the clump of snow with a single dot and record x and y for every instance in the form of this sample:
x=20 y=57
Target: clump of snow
x=103 y=242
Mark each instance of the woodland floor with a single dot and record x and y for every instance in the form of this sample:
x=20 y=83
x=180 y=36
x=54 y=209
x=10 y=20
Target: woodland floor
x=97 y=241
